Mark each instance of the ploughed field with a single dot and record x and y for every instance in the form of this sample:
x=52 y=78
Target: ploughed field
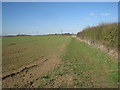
x=55 y=61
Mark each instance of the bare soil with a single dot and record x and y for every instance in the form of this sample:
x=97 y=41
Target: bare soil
x=25 y=77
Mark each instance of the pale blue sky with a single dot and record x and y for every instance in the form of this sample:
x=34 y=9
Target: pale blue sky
x=60 y=0
x=51 y=17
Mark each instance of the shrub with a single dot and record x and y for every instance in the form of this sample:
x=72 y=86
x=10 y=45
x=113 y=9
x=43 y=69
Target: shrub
x=105 y=33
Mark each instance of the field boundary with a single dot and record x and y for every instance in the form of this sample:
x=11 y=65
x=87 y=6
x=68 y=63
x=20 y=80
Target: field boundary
x=110 y=52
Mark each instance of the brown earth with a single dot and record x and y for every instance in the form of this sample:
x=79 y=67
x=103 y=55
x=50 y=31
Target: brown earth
x=28 y=75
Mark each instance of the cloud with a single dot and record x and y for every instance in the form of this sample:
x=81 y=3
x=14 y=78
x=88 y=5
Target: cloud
x=114 y=18
x=86 y=19
x=92 y=14
x=105 y=14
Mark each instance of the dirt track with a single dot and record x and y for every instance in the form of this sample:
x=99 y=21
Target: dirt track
x=27 y=76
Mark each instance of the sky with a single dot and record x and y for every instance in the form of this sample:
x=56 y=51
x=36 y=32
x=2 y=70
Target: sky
x=0 y=19
x=60 y=0
x=52 y=17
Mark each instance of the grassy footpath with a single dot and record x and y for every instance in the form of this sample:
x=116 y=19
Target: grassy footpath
x=82 y=66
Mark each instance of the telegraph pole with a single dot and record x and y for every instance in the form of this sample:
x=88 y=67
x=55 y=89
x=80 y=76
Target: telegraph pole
x=61 y=29
x=36 y=32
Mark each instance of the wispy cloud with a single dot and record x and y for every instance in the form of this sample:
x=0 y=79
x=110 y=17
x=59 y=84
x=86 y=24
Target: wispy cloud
x=86 y=19
x=114 y=18
x=105 y=14
x=92 y=14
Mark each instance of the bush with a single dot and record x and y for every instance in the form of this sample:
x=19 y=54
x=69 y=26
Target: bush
x=104 y=33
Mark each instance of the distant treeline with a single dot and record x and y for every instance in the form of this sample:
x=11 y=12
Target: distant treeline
x=66 y=34
x=16 y=35
x=105 y=33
